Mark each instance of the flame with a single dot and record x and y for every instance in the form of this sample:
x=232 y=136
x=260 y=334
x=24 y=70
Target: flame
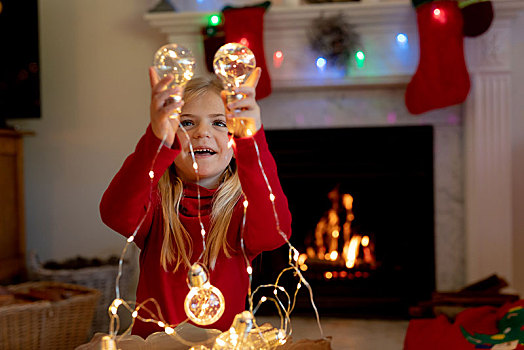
x=347 y=201
x=333 y=255
x=352 y=251
x=302 y=259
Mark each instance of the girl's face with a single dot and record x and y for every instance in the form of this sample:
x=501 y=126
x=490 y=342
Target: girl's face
x=205 y=121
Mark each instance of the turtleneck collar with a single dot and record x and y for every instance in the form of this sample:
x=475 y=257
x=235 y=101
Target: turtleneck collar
x=189 y=204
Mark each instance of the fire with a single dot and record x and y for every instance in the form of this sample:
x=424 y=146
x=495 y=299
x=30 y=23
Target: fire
x=302 y=259
x=355 y=249
x=352 y=252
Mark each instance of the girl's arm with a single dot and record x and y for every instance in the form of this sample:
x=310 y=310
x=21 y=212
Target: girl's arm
x=126 y=200
x=261 y=232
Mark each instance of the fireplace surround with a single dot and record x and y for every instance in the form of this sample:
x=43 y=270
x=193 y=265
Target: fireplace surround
x=472 y=141
x=391 y=207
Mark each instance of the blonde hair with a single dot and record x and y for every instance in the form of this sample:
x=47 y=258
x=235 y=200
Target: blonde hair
x=177 y=246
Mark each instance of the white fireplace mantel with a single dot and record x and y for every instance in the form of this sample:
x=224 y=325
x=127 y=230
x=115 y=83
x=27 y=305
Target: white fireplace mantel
x=487 y=113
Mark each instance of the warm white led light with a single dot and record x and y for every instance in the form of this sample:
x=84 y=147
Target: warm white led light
x=204 y=304
x=152 y=174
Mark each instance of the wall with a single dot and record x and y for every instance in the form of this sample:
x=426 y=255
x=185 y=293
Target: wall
x=95 y=95
x=518 y=157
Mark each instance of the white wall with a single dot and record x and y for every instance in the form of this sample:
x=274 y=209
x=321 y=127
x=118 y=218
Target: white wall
x=95 y=95
x=518 y=157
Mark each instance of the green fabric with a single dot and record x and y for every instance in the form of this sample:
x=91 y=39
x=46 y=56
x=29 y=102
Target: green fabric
x=510 y=327
x=465 y=3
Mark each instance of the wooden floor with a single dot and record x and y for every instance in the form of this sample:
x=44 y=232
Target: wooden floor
x=349 y=334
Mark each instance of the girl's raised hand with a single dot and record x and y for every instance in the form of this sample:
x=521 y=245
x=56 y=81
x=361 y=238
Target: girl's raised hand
x=244 y=115
x=163 y=106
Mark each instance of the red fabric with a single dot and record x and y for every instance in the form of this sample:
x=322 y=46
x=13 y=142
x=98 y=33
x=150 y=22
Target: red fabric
x=442 y=78
x=477 y=18
x=439 y=333
x=124 y=204
x=248 y=23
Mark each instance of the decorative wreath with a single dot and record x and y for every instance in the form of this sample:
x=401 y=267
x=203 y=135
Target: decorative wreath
x=335 y=39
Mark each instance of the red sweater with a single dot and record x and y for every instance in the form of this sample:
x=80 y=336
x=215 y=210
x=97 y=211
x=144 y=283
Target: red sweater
x=125 y=202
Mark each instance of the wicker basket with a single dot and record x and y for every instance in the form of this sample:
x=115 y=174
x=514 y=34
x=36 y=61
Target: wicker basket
x=54 y=325
x=101 y=278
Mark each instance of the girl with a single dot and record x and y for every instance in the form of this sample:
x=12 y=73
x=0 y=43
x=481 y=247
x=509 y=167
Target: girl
x=170 y=237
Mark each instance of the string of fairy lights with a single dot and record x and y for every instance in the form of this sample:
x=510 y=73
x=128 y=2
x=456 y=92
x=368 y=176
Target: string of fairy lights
x=244 y=332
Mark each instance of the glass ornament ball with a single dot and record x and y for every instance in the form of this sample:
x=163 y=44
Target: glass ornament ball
x=179 y=62
x=204 y=304
x=237 y=337
x=233 y=63
x=175 y=60
x=245 y=335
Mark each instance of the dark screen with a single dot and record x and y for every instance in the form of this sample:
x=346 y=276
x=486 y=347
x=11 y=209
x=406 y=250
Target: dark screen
x=19 y=60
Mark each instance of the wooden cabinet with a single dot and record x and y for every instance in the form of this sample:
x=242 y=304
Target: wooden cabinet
x=12 y=227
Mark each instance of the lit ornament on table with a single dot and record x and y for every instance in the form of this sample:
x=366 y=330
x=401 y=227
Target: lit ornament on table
x=108 y=343
x=179 y=62
x=237 y=336
x=233 y=64
x=243 y=336
x=204 y=303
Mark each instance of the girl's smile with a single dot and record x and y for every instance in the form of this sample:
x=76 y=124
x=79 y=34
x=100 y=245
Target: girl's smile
x=204 y=120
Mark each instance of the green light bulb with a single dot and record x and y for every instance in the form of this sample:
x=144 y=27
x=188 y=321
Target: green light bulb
x=360 y=58
x=214 y=20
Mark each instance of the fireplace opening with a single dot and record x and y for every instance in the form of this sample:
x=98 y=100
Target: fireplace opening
x=362 y=202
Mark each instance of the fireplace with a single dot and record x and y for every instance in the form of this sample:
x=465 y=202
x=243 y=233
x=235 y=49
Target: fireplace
x=366 y=192
x=472 y=142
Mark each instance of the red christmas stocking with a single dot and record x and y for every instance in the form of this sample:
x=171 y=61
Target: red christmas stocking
x=245 y=26
x=478 y=15
x=442 y=78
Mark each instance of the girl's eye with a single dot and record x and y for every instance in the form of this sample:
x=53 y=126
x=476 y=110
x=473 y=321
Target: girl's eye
x=186 y=122
x=219 y=122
